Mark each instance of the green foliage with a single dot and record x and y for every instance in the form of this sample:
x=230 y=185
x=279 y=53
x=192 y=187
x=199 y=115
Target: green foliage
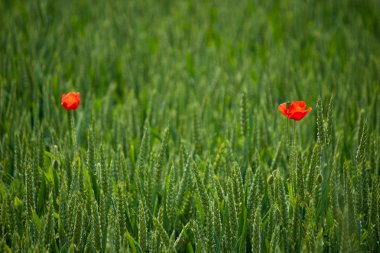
x=177 y=145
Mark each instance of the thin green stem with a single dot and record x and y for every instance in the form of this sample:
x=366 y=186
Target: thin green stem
x=294 y=133
x=287 y=132
x=72 y=130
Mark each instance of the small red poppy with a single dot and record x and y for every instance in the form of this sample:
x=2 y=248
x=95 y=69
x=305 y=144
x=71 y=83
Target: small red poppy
x=294 y=110
x=71 y=100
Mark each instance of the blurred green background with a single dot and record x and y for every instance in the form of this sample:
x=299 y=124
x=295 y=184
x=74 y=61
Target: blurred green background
x=166 y=56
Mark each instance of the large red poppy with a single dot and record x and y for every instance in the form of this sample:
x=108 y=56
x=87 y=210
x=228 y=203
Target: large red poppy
x=294 y=110
x=71 y=100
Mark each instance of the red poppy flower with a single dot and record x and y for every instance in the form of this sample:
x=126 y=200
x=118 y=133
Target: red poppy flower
x=294 y=110
x=71 y=100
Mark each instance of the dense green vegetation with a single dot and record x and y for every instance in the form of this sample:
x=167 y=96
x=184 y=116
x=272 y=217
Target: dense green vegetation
x=178 y=145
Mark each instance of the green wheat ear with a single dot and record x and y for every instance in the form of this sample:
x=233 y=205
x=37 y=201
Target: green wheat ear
x=320 y=123
x=283 y=204
x=64 y=212
x=361 y=149
x=330 y=124
x=104 y=210
x=115 y=229
x=344 y=231
x=374 y=216
x=196 y=131
x=244 y=114
x=159 y=161
x=276 y=158
x=141 y=168
x=49 y=228
x=142 y=226
x=182 y=197
x=77 y=233
x=256 y=231
x=41 y=149
x=217 y=224
x=96 y=227
x=232 y=214
x=274 y=241
x=91 y=152
x=170 y=196
x=294 y=230
x=312 y=173
x=120 y=210
x=220 y=157
x=333 y=193
x=104 y=172
x=207 y=209
x=154 y=244
x=162 y=234
x=300 y=177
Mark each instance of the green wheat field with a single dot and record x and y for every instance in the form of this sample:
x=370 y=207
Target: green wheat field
x=178 y=144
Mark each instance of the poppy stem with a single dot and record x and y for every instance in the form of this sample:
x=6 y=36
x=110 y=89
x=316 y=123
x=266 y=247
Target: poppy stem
x=294 y=133
x=72 y=130
x=287 y=132
x=293 y=159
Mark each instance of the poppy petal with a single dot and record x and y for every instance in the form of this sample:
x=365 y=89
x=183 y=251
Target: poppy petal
x=300 y=114
x=282 y=108
x=71 y=100
x=297 y=105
